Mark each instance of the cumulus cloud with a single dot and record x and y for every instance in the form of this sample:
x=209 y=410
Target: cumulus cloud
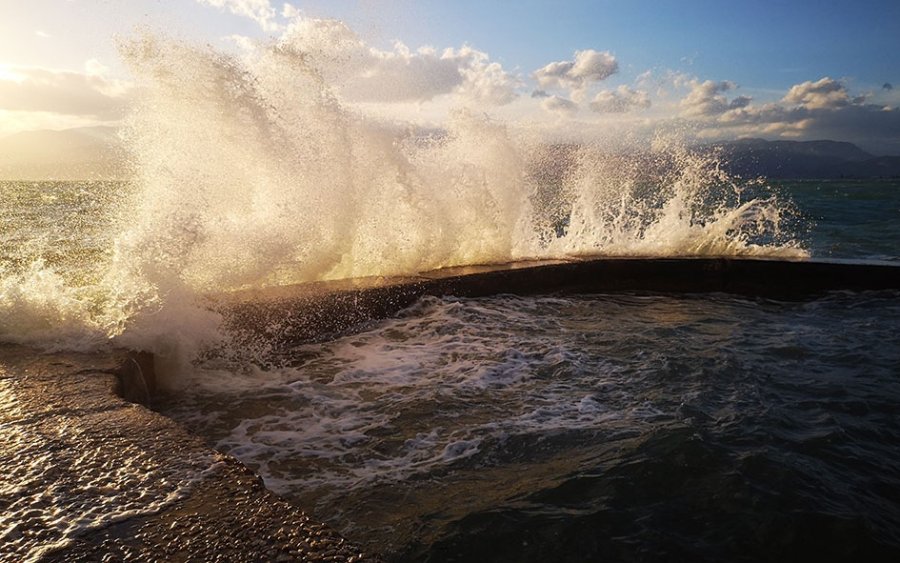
x=588 y=67
x=559 y=105
x=803 y=102
x=621 y=100
x=872 y=126
x=362 y=73
x=739 y=102
x=822 y=109
x=367 y=74
x=261 y=11
x=483 y=80
x=824 y=93
x=87 y=94
x=707 y=99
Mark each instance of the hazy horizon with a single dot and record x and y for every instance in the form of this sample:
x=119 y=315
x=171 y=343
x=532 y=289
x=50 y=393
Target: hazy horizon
x=98 y=153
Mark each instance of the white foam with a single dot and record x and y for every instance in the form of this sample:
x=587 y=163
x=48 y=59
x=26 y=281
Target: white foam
x=440 y=385
x=38 y=306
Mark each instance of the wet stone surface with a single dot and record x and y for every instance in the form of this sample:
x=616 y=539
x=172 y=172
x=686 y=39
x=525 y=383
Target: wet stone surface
x=91 y=477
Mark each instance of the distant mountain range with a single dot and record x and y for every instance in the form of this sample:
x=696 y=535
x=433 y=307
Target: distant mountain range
x=97 y=153
x=86 y=153
x=803 y=159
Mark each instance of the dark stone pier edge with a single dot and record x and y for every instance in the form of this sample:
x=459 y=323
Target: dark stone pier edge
x=291 y=315
x=311 y=312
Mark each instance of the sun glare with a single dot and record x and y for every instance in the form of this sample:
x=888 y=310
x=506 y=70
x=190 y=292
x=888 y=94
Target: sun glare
x=7 y=73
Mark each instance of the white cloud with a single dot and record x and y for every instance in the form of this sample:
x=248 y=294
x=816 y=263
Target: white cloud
x=824 y=109
x=485 y=81
x=361 y=73
x=644 y=79
x=261 y=11
x=42 y=34
x=622 y=99
x=824 y=93
x=559 y=106
x=707 y=99
x=86 y=94
x=588 y=67
x=365 y=74
x=290 y=12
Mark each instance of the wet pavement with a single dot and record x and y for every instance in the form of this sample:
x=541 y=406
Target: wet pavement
x=88 y=476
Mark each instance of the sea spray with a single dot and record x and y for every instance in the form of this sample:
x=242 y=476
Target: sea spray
x=272 y=181
x=54 y=255
x=256 y=171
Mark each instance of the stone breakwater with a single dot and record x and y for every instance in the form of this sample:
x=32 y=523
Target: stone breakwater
x=89 y=476
x=290 y=315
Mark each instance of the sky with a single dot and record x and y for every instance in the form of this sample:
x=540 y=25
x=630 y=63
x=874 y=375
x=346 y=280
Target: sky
x=796 y=69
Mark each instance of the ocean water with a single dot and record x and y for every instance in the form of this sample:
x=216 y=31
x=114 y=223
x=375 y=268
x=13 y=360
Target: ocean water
x=849 y=219
x=586 y=428
x=555 y=428
x=597 y=427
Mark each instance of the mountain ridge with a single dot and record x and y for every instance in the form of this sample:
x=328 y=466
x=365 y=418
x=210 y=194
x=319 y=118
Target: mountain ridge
x=82 y=153
x=97 y=153
x=821 y=159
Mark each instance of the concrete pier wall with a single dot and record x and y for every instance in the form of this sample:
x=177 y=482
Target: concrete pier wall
x=310 y=312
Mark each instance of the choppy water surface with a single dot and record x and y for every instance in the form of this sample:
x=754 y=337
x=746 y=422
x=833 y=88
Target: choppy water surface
x=586 y=427
x=855 y=219
x=556 y=428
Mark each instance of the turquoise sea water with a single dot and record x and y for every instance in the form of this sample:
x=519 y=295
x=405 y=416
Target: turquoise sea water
x=849 y=219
